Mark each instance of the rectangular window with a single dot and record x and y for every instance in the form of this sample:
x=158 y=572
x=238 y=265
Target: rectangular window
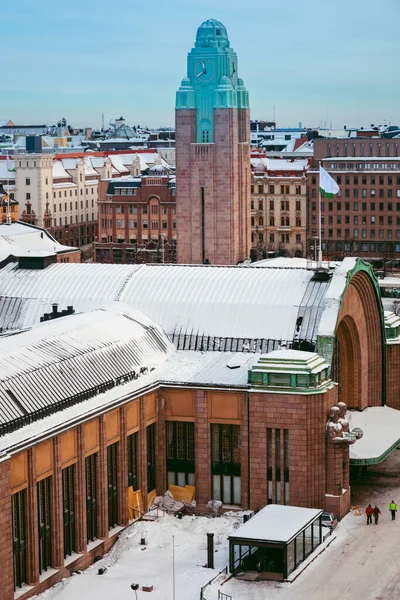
x=112 y=482
x=151 y=457
x=286 y=465
x=225 y=463
x=19 y=537
x=180 y=453
x=91 y=497
x=269 y=466
x=68 y=487
x=132 y=444
x=44 y=523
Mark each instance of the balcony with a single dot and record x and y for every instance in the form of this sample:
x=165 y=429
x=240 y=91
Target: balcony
x=284 y=228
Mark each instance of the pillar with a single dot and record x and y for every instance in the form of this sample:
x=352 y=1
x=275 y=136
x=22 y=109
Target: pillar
x=56 y=507
x=80 y=494
x=122 y=470
x=102 y=482
x=203 y=449
x=32 y=533
x=6 y=552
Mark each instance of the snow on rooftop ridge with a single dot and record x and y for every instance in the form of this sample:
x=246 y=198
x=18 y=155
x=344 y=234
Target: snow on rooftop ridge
x=66 y=357
x=333 y=296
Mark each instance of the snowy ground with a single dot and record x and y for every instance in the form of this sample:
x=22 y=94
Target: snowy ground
x=360 y=564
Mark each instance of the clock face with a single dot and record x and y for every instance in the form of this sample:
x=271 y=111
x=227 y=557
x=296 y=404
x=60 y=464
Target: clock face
x=204 y=70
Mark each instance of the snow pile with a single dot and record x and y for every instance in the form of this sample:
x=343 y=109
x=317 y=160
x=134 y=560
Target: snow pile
x=129 y=562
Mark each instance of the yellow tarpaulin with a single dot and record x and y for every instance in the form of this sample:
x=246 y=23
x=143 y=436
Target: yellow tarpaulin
x=183 y=494
x=135 y=504
x=151 y=496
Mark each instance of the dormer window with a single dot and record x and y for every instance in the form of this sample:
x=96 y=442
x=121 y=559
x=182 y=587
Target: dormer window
x=217 y=32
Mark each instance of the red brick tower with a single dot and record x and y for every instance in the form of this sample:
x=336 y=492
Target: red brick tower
x=212 y=154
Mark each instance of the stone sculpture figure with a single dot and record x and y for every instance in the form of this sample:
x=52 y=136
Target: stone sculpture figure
x=334 y=428
x=357 y=432
x=342 y=417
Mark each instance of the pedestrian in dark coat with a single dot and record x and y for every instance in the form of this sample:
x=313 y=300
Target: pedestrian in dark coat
x=377 y=512
x=369 y=511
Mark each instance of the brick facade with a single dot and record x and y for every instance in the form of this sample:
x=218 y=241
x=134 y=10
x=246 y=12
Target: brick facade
x=213 y=189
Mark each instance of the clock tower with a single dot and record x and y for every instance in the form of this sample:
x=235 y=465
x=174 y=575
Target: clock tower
x=212 y=154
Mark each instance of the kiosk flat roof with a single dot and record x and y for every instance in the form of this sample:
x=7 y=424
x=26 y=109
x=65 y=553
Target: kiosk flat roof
x=276 y=523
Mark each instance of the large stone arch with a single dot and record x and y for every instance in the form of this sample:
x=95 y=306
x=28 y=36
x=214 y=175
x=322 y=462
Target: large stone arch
x=359 y=338
x=348 y=363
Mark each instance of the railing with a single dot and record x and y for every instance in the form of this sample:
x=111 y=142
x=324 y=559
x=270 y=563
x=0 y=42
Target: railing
x=225 y=570
x=203 y=343
x=36 y=415
x=222 y=596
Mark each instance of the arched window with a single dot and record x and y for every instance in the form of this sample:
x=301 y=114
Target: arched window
x=272 y=221
x=287 y=222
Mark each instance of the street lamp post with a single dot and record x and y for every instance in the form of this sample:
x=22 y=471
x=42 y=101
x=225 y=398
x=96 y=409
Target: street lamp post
x=173 y=566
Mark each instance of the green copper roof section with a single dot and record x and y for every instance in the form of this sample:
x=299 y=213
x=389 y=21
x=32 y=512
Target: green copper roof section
x=212 y=79
x=376 y=459
x=290 y=371
x=392 y=327
x=212 y=33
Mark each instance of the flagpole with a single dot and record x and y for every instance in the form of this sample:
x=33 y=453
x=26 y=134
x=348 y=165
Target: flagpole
x=8 y=220
x=319 y=266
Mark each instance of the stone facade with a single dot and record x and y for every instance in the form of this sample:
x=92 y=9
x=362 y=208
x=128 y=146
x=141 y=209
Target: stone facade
x=212 y=154
x=279 y=212
x=213 y=190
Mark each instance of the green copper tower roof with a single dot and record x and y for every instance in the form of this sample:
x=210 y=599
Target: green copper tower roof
x=212 y=79
x=212 y=33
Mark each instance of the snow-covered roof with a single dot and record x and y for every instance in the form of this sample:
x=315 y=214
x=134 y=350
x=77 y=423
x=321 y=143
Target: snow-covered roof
x=216 y=301
x=118 y=163
x=279 y=164
x=381 y=427
x=19 y=239
x=333 y=296
x=59 y=171
x=207 y=368
x=276 y=523
x=67 y=356
x=271 y=304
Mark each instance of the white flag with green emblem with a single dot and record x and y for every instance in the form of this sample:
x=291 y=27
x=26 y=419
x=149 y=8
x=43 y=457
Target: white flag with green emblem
x=327 y=185
x=10 y=164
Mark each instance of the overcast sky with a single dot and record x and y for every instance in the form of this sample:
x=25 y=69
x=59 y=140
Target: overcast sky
x=313 y=60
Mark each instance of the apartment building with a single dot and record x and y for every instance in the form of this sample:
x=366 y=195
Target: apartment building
x=364 y=218
x=137 y=217
x=60 y=191
x=278 y=205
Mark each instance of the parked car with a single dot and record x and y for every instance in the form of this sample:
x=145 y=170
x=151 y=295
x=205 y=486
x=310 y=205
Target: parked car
x=329 y=520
